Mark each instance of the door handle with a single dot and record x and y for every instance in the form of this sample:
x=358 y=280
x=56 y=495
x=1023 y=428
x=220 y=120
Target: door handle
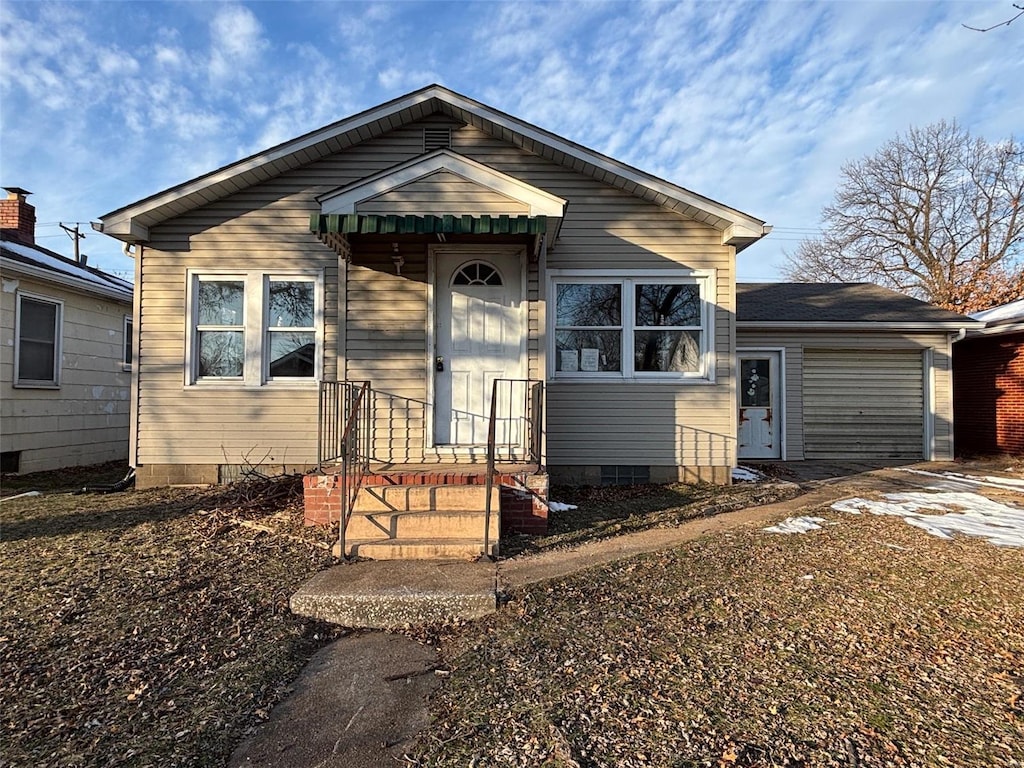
x=439 y=363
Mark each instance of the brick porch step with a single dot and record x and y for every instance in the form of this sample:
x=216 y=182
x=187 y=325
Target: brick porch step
x=427 y=524
x=420 y=498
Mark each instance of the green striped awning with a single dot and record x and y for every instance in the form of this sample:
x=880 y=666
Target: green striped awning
x=351 y=224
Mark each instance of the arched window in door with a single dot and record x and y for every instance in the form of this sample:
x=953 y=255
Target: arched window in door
x=477 y=273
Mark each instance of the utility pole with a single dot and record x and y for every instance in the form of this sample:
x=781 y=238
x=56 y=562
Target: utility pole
x=75 y=236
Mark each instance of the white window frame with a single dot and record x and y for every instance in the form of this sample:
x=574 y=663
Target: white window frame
x=255 y=361
x=58 y=339
x=705 y=280
x=127 y=343
x=268 y=330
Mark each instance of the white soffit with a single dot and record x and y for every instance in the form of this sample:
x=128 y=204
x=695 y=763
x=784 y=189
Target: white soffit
x=345 y=199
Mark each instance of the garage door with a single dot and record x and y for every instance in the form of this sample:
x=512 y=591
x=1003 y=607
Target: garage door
x=863 y=404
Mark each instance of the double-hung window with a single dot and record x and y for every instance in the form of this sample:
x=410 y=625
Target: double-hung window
x=254 y=328
x=291 y=328
x=38 y=340
x=631 y=327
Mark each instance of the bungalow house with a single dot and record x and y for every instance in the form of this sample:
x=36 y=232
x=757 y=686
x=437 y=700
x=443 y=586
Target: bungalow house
x=988 y=383
x=65 y=352
x=509 y=296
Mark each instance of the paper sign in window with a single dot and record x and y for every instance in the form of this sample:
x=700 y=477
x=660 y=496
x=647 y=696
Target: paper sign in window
x=589 y=360
x=570 y=360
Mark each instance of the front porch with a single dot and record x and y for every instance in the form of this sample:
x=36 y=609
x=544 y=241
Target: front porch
x=454 y=508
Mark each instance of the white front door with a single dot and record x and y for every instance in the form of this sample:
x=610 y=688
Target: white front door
x=479 y=339
x=760 y=419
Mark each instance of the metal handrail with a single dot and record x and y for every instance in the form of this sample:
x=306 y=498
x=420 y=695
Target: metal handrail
x=532 y=419
x=345 y=438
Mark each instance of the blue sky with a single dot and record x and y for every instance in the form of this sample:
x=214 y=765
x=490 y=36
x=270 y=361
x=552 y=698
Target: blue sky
x=756 y=105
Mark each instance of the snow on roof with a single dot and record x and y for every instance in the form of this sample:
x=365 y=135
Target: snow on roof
x=66 y=271
x=1002 y=314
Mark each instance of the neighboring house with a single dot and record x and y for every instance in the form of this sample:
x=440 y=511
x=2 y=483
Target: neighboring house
x=843 y=371
x=988 y=383
x=65 y=353
x=432 y=245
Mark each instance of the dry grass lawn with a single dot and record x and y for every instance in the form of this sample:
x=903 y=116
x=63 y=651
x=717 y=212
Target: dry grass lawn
x=868 y=643
x=151 y=629
x=142 y=628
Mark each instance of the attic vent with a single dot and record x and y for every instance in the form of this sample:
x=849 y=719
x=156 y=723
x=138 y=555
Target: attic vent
x=437 y=138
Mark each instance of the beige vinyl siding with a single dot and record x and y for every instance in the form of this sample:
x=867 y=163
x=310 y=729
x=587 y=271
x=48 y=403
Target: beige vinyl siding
x=440 y=193
x=85 y=421
x=266 y=228
x=639 y=424
x=858 y=344
x=605 y=228
x=386 y=344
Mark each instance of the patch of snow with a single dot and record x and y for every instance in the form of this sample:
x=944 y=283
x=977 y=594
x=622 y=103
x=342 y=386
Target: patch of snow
x=68 y=267
x=22 y=495
x=796 y=525
x=1006 y=483
x=746 y=475
x=961 y=512
x=558 y=506
x=1011 y=311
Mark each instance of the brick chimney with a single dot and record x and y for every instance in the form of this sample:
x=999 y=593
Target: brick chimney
x=18 y=217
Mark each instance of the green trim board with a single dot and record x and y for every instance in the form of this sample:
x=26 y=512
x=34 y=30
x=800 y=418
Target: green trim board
x=350 y=224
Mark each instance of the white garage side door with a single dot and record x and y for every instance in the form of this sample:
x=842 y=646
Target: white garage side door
x=863 y=404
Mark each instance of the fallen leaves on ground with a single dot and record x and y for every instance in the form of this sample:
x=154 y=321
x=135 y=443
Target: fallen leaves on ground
x=606 y=511
x=149 y=628
x=864 y=644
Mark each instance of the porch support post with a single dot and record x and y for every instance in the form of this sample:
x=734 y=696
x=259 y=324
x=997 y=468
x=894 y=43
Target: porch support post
x=542 y=345
x=344 y=249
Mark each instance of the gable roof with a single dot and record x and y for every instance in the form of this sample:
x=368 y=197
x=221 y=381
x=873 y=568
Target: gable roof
x=131 y=223
x=43 y=264
x=850 y=305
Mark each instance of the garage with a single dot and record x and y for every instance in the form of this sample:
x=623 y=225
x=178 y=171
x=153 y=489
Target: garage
x=862 y=403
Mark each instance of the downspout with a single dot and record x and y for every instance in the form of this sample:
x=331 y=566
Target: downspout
x=133 y=391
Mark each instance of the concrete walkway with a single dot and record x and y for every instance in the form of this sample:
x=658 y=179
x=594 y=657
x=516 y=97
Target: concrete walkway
x=362 y=700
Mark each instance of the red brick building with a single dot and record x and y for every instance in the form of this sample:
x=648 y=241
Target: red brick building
x=988 y=384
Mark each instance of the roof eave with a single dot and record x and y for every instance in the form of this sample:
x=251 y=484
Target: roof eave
x=1001 y=329
x=67 y=281
x=813 y=326
x=124 y=223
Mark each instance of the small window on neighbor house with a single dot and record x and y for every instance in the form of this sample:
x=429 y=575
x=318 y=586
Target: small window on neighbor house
x=38 y=338
x=126 y=353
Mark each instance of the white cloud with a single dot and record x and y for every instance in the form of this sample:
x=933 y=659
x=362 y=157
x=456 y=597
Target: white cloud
x=236 y=42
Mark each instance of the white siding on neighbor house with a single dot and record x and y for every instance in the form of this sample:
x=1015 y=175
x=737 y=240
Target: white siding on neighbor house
x=266 y=227
x=85 y=421
x=870 y=388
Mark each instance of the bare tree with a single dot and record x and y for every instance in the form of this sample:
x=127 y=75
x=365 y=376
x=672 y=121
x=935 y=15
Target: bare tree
x=935 y=213
x=1008 y=22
